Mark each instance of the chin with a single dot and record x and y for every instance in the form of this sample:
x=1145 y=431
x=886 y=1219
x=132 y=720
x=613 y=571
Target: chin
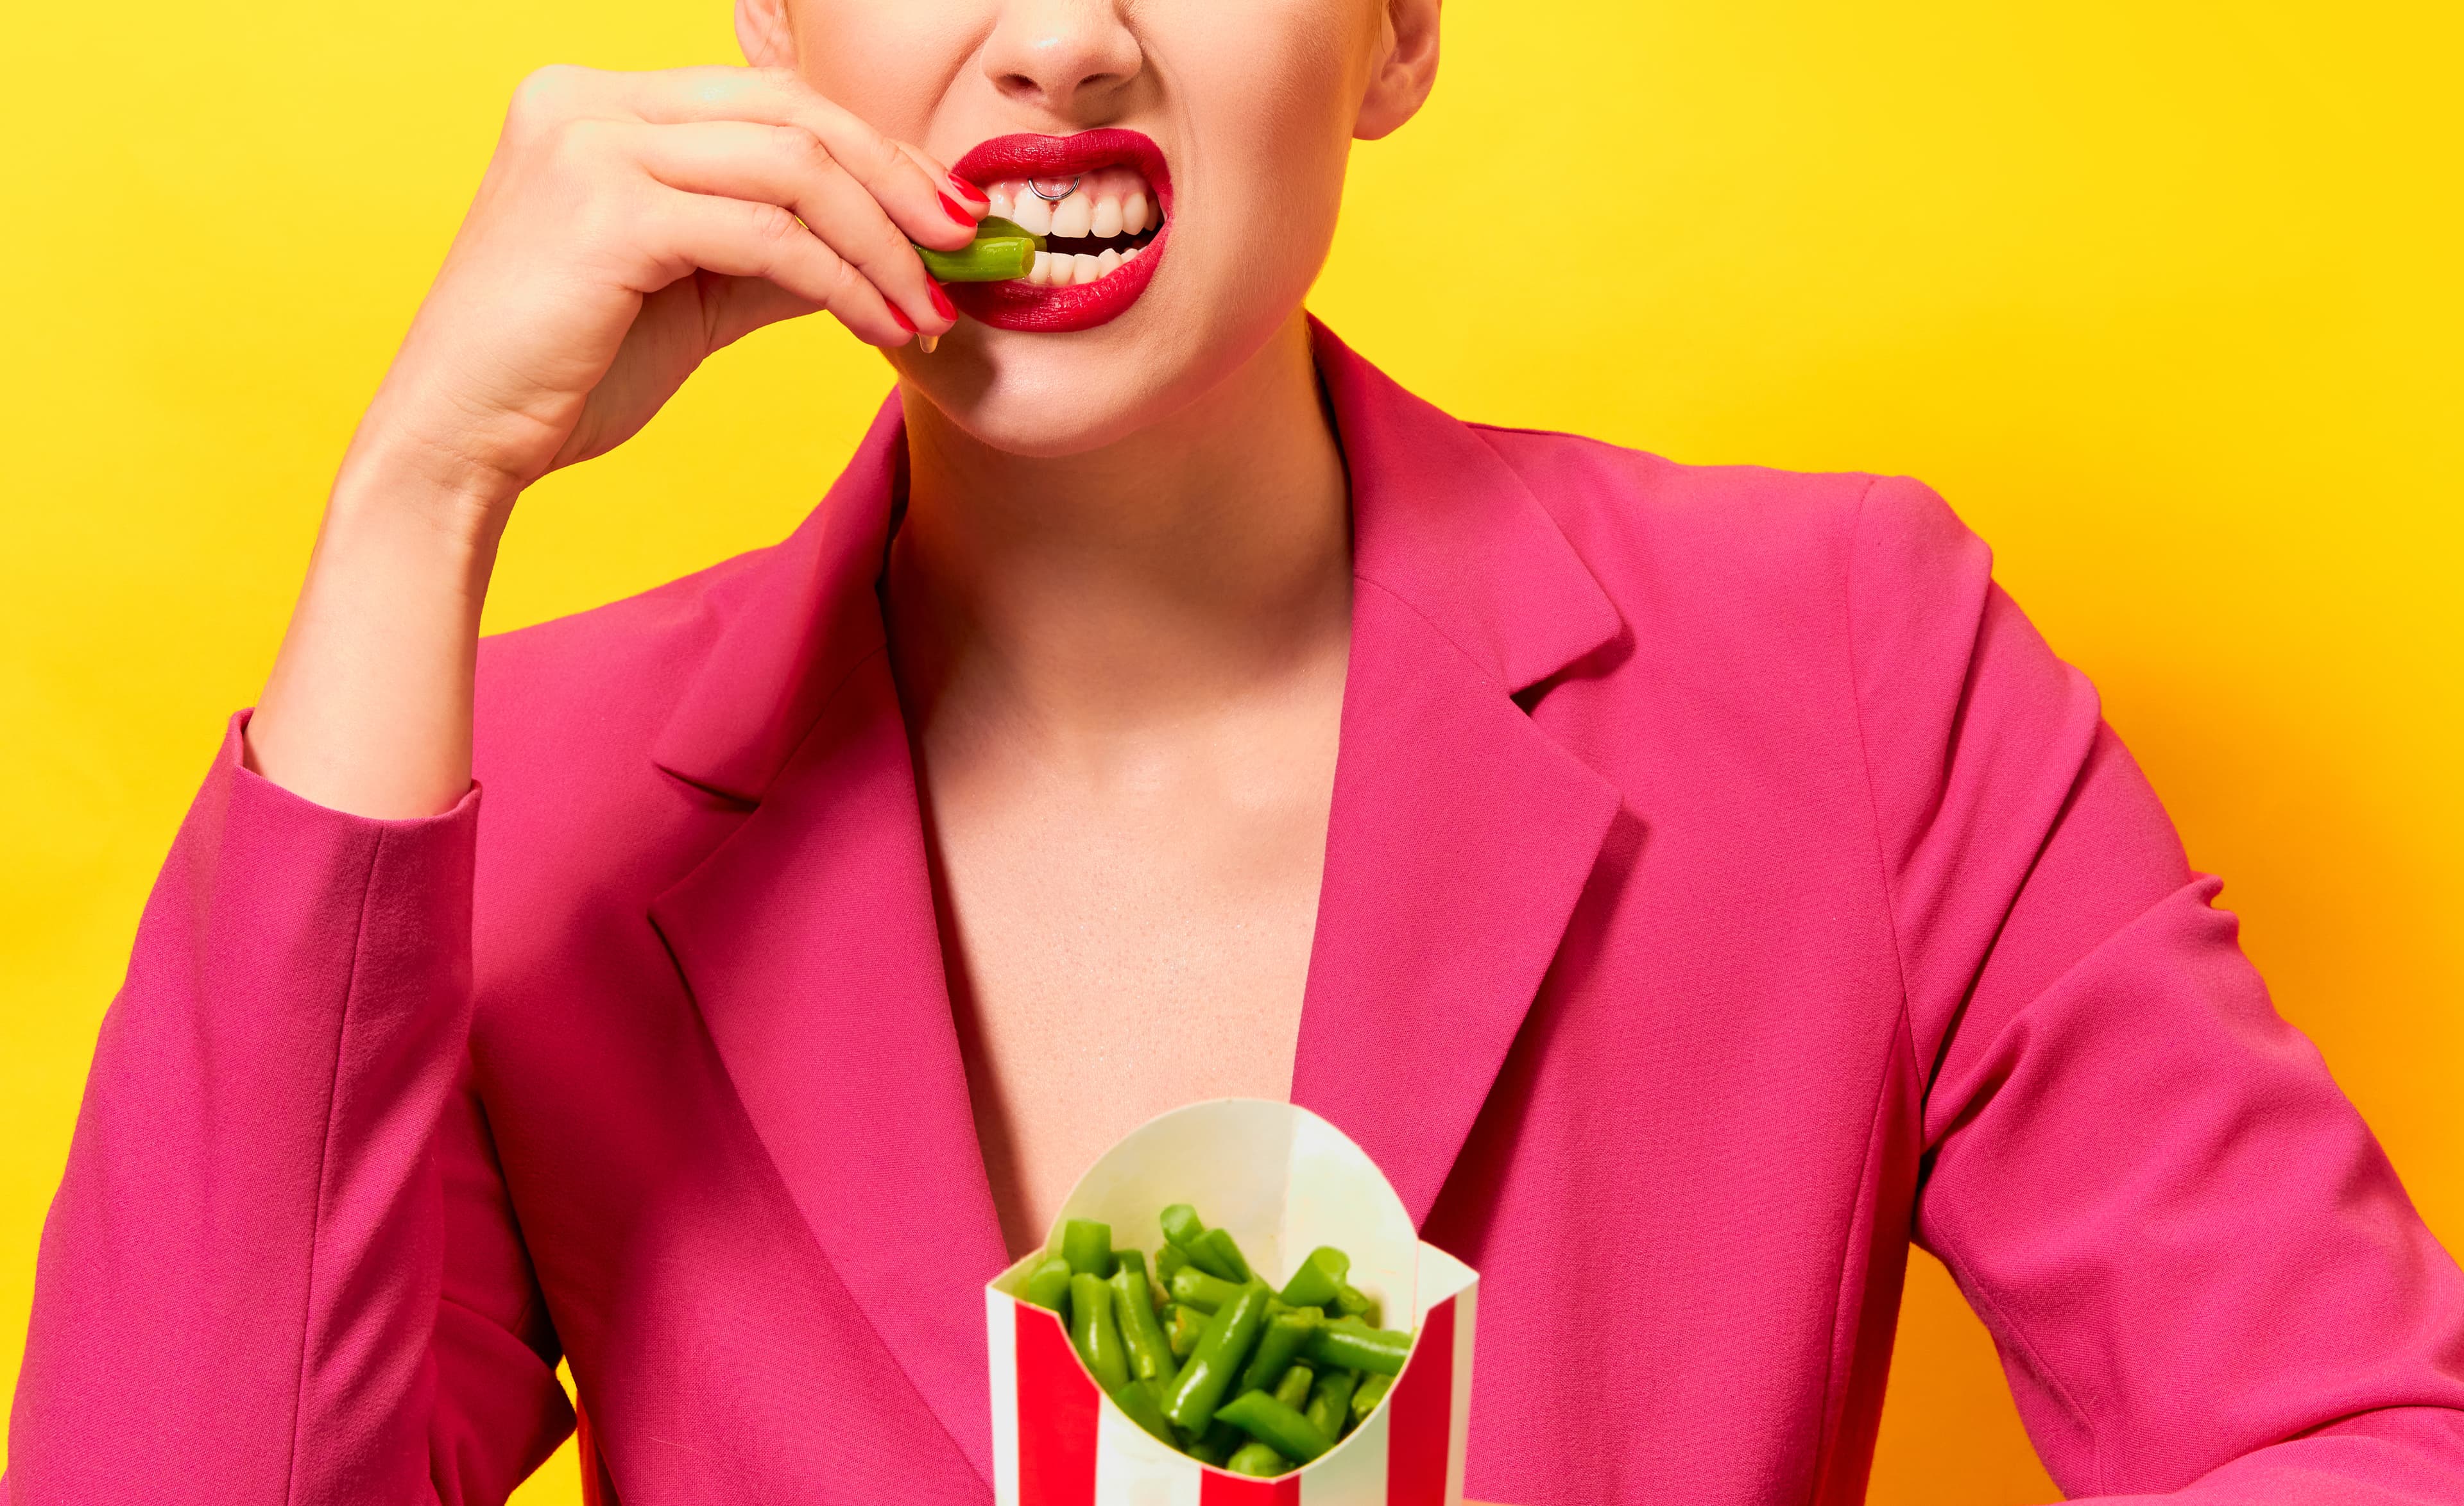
x=1051 y=395
x=1035 y=395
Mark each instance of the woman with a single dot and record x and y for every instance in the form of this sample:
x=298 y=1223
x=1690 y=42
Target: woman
x=1688 y=884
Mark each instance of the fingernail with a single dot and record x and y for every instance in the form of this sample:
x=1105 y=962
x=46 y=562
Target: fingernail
x=902 y=319
x=960 y=213
x=941 y=303
x=970 y=193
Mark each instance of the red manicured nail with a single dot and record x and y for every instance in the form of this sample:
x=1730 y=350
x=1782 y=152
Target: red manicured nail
x=902 y=319
x=959 y=211
x=970 y=193
x=941 y=301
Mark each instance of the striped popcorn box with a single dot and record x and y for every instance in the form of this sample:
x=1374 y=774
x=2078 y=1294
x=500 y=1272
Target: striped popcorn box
x=1283 y=1181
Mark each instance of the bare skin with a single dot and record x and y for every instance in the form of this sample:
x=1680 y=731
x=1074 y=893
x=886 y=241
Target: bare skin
x=1125 y=706
x=1119 y=605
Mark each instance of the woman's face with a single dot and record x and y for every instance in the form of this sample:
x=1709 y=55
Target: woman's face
x=1250 y=107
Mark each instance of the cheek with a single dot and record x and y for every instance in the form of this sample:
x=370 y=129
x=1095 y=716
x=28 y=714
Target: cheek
x=887 y=62
x=1272 y=92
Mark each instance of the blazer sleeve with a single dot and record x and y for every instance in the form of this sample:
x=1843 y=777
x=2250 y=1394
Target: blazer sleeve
x=2203 y=1277
x=282 y=1265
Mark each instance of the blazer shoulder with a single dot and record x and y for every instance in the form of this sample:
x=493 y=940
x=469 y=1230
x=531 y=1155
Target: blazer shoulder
x=1659 y=532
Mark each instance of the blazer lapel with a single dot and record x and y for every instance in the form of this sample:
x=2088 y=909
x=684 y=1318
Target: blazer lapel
x=1461 y=835
x=808 y=942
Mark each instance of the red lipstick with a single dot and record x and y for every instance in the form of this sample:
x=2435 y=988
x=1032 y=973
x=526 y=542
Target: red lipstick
x=1022 y=305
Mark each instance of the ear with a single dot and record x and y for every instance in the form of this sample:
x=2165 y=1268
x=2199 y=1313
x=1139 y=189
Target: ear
x=1400 y=76
x=762 y=29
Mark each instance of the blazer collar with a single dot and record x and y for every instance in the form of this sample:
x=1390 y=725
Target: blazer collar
x=1440 y=521
x=1444 y=525
x=1460 y=839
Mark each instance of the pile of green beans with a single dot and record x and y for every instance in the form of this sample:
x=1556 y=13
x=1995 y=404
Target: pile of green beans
x=1211 y=1359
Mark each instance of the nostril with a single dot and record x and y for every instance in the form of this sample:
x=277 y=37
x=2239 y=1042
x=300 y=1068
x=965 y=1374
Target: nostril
x=1027 y=86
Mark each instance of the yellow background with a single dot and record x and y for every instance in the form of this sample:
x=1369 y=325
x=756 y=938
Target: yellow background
x=2160 y=294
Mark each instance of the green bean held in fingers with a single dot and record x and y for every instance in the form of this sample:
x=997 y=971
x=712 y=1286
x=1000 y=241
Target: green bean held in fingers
x=1001 y=251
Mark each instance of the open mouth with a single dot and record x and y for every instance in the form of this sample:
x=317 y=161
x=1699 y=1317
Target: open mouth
x=1092 y=222
x=1103 y=201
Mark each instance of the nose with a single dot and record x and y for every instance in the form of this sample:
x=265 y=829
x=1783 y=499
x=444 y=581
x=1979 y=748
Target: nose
x=1073 y=59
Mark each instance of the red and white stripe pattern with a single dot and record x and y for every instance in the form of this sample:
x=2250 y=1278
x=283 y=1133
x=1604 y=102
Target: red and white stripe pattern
x=1058 y=1442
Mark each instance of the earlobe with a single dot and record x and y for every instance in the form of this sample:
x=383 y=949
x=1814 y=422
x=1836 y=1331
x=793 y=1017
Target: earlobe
x=1404 y=71
x=764 y=32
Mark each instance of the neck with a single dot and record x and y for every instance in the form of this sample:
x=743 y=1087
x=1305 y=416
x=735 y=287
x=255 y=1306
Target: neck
x=1205 y=556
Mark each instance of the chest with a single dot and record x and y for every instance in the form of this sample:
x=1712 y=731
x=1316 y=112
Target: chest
x=1120 y=942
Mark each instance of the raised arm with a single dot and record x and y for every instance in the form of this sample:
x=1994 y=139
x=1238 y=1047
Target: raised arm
x=2202 y=1273
x=282 y=1268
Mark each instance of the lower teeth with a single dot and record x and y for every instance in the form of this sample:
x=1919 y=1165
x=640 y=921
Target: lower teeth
x=1064 y=268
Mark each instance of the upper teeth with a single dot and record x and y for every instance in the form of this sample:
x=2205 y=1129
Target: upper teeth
x=1105 y=205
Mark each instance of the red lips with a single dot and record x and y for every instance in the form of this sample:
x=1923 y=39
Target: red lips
x=1024 y=306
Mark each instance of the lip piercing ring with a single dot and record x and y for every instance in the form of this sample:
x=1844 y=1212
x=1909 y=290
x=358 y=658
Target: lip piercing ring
x=1036 y=187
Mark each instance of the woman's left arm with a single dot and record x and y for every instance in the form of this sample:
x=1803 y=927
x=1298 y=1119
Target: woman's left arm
x=2202 y=1273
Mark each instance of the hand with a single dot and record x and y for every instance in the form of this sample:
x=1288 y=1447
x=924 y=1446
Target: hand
x=630 y=225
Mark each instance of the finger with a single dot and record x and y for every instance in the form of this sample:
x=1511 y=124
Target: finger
x=741 y=238
x=788 y=165
x=970 y=197
x=917 y=198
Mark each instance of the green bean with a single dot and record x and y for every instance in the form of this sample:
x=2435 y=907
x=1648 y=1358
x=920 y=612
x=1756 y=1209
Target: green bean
x=1329 y=1401
x=1365 y=1400
x=1257 y=1461
x=1169 y=1259
x=1293 y=1389
x=1088 y=1247
x=1183 y=1329
x=1276 y=1425
x=1182 y=1226
x=1218 y=1254
x=1191 y=1287
x=1286 y=1335
x=1354 y=1346
x=1191 y=1399
x=1139 y=1401
x=1211 y=1251
x=1353 y=1303
x=1002 y=249
x=1218 y=1441
x=1047 y=1285
x=1134 y=1302
x=1319 y=1279
x=1094 y=1332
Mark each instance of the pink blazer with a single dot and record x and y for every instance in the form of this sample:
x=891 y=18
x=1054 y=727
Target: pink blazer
x=1724 y=886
